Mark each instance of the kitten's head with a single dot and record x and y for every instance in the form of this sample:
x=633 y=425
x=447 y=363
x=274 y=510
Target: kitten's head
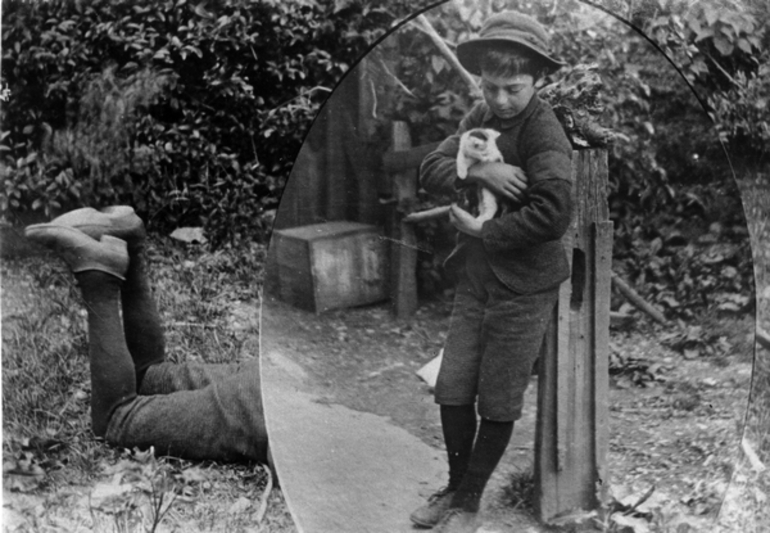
x=478 y=140
x=477 y=144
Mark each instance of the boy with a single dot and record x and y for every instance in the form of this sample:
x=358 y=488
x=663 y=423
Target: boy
x=508 y=269
x=203 y=411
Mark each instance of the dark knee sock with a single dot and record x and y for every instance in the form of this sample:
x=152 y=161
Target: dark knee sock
x=112 y=372
x=141 y=320
x=491 y=442
x=458 y=423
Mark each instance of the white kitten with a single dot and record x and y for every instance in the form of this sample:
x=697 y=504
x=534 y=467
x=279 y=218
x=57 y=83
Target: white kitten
x=478 y=145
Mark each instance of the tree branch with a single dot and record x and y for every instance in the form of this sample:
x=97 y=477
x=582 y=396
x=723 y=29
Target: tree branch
x=449 y=55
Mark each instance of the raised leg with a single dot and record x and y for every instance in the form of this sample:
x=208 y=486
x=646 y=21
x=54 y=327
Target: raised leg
x=113 y=382
x=141 y=319
x=223 y=420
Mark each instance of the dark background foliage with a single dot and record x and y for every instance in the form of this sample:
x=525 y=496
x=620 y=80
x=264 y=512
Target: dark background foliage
x=193 y=112
x=214 y=100
x=680 y=233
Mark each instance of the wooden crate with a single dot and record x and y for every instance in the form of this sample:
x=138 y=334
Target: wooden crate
x=331 y=265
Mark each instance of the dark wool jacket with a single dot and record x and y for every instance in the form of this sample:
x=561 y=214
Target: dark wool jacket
x=523 y=246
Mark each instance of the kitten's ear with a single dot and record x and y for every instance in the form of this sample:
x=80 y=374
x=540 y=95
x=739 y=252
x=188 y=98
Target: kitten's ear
x=494 y=134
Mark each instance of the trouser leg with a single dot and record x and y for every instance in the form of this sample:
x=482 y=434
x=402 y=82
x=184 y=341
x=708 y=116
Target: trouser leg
x=113 y=381
x=514 y=327
x=141 y=319
x=457 y=381
x=221 y=421
x=167 y=377
x=195 y=411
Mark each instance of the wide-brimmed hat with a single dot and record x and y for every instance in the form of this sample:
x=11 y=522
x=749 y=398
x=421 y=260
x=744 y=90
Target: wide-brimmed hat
x=512 y=28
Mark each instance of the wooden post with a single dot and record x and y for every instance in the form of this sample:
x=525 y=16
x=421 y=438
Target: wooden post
x=403 y=243
x=572 y=420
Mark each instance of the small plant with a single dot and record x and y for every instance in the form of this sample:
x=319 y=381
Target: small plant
x=138 y=495
x=94 y=158
x=520 y=490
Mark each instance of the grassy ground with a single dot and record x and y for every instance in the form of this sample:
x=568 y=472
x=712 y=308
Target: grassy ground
x=56 y=475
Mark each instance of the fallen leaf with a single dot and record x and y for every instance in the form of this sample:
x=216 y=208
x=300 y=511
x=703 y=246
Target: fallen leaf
x=194 y=475
x=105 y=492
x=189 y=235
x=12 y=520
x=629 y=524
x=691 y=353
x=241 y=506
x=22 y=482
x=23 y=474
x=748 y=450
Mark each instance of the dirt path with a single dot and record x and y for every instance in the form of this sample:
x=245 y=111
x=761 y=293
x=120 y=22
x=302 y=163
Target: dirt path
x=393 y=454
x=346 y=470
x=678 y=435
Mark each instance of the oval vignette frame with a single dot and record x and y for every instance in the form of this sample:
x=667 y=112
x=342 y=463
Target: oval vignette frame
x=342 y=468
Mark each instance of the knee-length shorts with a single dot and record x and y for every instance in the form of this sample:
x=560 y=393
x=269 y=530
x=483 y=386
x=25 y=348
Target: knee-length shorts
x=495 y=336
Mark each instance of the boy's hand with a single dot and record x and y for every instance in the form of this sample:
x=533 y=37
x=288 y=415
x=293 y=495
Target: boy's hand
x=464 y=221
x=504 y=180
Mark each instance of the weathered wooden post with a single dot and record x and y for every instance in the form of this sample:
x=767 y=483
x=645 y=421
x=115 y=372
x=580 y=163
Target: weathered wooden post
x=402 y=164
x=572 y=419
x=403 y=243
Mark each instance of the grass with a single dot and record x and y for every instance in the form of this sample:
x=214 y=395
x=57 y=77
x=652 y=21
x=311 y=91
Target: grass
x=56 y=475
x=60 y=478
x=520 y=489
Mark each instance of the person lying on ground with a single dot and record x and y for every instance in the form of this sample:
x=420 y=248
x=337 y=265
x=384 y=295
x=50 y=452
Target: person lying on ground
x=138 y=398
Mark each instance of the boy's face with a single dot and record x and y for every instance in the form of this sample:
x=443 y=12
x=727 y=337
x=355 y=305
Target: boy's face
x=507 y=96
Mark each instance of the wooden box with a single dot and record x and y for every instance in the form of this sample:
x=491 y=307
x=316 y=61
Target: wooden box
x=331 y=265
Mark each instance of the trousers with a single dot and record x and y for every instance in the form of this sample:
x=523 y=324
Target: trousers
x=495 y=336
x=204 y=411
x=138 y=399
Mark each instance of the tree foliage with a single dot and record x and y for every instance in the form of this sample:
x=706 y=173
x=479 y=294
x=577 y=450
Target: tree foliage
x=194 y=112
x=206 y=103
x=671 y=187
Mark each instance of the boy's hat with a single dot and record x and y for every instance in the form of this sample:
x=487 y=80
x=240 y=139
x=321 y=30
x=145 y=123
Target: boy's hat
x=507 y=27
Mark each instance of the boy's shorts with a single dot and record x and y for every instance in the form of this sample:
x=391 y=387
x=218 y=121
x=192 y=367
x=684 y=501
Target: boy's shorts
x=495 y=336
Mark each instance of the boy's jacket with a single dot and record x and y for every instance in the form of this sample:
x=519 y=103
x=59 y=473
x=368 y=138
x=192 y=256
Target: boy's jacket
x=524 y=245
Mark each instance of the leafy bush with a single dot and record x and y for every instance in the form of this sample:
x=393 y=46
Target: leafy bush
x=98 y=149
x=196 y=128
x=743 y=112
x=209 y=135
x=668 y=172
